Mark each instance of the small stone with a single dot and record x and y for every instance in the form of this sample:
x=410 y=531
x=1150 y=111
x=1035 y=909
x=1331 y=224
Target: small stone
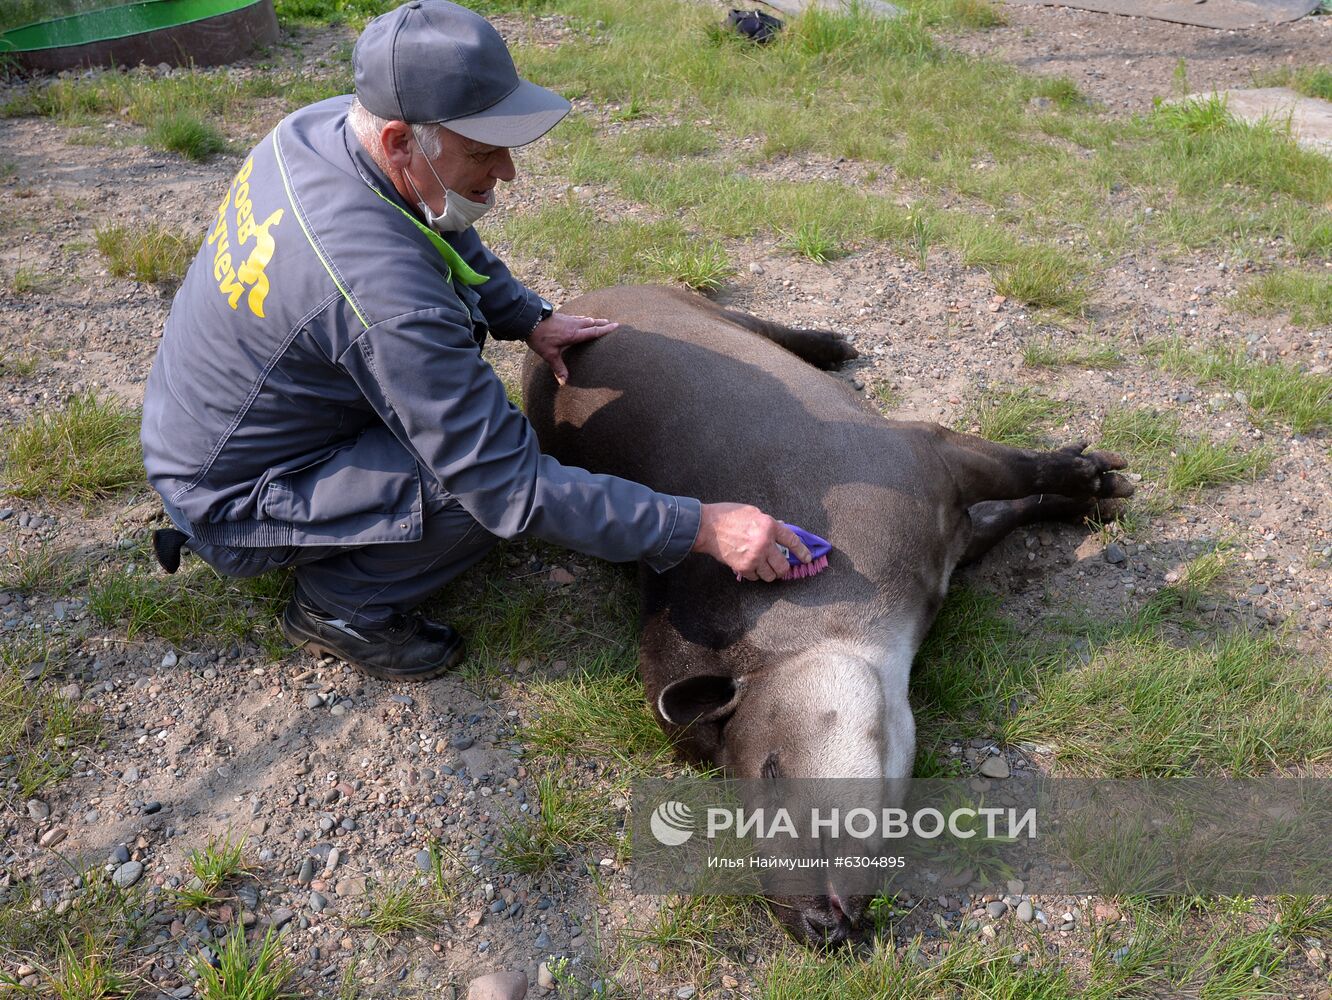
x=755 y=267
x=314 y=700
x=127 y=874
x=169 y=660
x=995 y=767
x=1258 y=589
x=317 y=902
x=424 y=862
x=38 y=811
x=71 y=692
x=120 y=854
x=996 y=909
x=1115 y=553
x=53 y=836
x=544 y=978
x=280 y=917
x=1107 y=913
x=686 y=993
x=306 y=874
x=461 y=742
x=542 y=941
x=352 y=886
x=151 y=807
x=1016 y=886
x=498 y=986
x=561 y=577
x=1025 y=911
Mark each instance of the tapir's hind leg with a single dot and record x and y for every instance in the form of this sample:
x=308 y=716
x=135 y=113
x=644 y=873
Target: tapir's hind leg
x=992 y=520
x=984 y=470
x=820 y=348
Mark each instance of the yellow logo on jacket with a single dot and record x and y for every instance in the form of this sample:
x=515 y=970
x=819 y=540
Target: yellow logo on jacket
x=234 y=280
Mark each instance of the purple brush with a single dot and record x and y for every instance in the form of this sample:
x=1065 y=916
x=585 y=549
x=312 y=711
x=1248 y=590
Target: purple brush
x=818 y=550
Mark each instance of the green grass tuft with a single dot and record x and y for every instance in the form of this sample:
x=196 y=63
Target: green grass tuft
x=193 y=604
x=401 y=908
x=1143 y=707
x=247 y=970
x=810 y=239
x=701 y=266
x=88 y=973
x=1305 y=295
x=148 y=253
x=187 y=134
x=222 y=861
x=597 y=714
x=1195 y=116
x=87 y=450
x=41 y=733
x=1011 y=417
x=1311 y=81
x=1044 y=279
x=1048 y=353
x=566 y=817
x=1271 y=389
x=15 y=365
x=1206 y=463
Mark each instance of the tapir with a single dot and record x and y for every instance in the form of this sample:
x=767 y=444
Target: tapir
x=804 y=678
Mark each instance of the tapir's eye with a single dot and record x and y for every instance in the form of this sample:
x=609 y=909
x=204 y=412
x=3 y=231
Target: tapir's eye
x=770 y=770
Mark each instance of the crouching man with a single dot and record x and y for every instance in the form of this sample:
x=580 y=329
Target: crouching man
x=319 y=399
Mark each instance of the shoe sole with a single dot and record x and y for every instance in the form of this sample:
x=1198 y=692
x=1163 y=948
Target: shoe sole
x=316 y=646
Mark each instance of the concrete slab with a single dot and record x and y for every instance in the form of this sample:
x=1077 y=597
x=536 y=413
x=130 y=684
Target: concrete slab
x=1310 y=118
x=1222 y=14
x=880 y=8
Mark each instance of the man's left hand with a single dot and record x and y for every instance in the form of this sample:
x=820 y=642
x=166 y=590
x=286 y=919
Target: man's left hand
x=560 y=330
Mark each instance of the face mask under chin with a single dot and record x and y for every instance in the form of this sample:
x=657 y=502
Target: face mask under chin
x=459 y=213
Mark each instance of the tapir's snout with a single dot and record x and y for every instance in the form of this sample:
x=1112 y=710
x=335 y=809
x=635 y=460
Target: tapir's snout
x=823 y=921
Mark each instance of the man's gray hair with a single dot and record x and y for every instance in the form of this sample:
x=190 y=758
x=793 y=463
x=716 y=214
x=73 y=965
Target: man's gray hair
x=368 y=127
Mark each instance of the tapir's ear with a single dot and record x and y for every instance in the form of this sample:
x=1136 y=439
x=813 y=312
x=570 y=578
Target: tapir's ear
x=708 y=698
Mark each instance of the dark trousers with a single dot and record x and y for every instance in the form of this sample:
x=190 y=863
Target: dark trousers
x=366 y=585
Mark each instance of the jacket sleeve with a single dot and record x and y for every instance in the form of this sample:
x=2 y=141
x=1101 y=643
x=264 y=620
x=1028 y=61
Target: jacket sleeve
x=510 y=307
x=424 y=376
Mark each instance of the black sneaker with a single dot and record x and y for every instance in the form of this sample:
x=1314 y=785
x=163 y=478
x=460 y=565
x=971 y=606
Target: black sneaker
x=408 y=648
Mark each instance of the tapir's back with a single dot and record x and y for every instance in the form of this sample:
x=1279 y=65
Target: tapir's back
x=686 y=401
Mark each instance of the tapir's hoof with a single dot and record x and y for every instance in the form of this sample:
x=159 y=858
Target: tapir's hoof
x=822 y=348
x=1093 y=475
x=818 y=922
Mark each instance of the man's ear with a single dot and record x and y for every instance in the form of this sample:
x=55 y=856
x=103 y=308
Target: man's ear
x=396 y=140
x=710 y=698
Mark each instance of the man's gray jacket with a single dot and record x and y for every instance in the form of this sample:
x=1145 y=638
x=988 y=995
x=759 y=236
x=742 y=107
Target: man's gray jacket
x=317 y=314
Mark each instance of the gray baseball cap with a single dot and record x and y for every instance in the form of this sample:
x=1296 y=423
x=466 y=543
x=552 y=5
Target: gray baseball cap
x=434 y=61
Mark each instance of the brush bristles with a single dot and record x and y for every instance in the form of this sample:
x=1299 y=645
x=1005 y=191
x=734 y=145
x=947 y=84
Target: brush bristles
x=802 y=570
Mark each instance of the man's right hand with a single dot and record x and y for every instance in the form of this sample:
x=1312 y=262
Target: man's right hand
x=746 y=539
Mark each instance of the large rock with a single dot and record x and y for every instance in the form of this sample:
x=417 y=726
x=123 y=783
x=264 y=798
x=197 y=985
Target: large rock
x=498 y=986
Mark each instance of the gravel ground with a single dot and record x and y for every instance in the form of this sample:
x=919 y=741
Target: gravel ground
x=340 y=783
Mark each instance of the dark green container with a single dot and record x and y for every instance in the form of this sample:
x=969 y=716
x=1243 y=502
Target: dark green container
x=179 y=32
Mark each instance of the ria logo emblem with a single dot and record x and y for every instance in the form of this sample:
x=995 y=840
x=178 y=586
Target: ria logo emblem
x=672 y=823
